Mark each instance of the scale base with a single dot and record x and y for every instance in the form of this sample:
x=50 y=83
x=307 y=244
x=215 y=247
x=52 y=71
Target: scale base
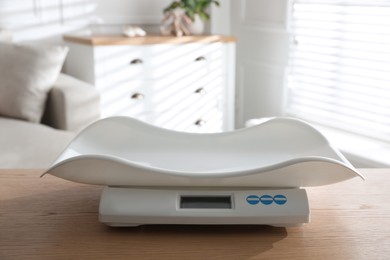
x=125 y=206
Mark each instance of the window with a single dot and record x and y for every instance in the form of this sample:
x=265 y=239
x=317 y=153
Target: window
x=339 y=68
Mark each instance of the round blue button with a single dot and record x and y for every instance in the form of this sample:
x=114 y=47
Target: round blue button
x=253 y=199
x=266 y=199
x=280 y=199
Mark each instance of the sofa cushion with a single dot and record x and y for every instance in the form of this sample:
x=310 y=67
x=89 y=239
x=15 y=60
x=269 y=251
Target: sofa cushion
x=27 y=145
x=27 y=72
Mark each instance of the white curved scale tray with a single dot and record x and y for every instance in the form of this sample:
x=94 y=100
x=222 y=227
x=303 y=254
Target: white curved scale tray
x=281 y=152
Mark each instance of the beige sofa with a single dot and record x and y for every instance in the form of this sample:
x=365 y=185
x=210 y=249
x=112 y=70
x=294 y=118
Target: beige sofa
x=71 y=105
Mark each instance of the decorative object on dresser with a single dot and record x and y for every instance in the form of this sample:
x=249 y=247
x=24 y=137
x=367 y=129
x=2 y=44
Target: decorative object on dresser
x=133 y=31
x=175 y=23
x=186 y=17
x=179 y=83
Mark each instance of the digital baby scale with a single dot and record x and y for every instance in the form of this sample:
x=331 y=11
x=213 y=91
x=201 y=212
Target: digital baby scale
x=152 y=175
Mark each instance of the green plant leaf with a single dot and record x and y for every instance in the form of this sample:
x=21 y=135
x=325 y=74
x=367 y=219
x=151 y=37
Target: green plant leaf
x=172 y=6
x=192 y=7
x=192 y=16
x=204 y=16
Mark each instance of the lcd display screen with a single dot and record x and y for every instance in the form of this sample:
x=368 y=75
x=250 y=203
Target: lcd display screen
x=205 y=202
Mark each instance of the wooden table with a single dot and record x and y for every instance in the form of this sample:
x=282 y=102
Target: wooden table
x=50 y=218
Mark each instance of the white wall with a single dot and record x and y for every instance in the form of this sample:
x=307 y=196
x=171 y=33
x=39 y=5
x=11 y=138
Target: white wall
x=262 y=55
x=220 y=22
x=131 y=11
x=43 y=19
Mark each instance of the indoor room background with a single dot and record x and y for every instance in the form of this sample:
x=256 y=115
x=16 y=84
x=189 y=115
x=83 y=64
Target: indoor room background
x=327 y=62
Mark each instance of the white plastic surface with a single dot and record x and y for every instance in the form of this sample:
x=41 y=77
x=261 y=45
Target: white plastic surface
x=133 y=207
x=280 y=152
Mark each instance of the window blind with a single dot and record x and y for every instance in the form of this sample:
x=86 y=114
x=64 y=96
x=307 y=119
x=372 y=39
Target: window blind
x=339 y=65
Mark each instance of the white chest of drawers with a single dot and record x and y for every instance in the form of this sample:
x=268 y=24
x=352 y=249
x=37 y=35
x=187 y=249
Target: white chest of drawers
x=184 y=84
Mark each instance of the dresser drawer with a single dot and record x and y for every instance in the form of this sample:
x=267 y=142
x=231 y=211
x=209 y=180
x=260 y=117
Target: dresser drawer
x=184 y=93
x=185 y=84
x=206 y=118
x=131 y=98
x=185 y=59
x=121 y=62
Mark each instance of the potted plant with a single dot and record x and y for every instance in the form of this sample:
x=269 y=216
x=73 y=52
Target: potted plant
x=195 y=10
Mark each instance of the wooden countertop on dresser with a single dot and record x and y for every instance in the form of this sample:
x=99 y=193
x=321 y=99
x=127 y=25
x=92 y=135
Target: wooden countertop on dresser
x=97 y=40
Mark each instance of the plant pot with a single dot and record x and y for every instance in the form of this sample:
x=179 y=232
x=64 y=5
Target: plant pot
x=197 y=26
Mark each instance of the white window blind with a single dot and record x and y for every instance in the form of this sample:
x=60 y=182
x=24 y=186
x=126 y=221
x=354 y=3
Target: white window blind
x=339 y=66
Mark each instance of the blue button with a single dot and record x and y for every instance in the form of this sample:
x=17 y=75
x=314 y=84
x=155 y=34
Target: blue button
x=280 y=199
x=266 y=199
x=253 y=199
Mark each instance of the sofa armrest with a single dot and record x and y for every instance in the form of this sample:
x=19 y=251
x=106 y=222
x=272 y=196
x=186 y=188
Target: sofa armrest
x=71 y=104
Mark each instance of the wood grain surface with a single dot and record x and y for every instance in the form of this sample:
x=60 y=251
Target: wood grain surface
x=50 y=218
x=96 y=40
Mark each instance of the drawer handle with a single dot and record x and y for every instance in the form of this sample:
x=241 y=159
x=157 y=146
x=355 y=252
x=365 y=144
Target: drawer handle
x=200 y=91
x=137 y=96
x=200 y=122
x=200 y=58
x=136 y=61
